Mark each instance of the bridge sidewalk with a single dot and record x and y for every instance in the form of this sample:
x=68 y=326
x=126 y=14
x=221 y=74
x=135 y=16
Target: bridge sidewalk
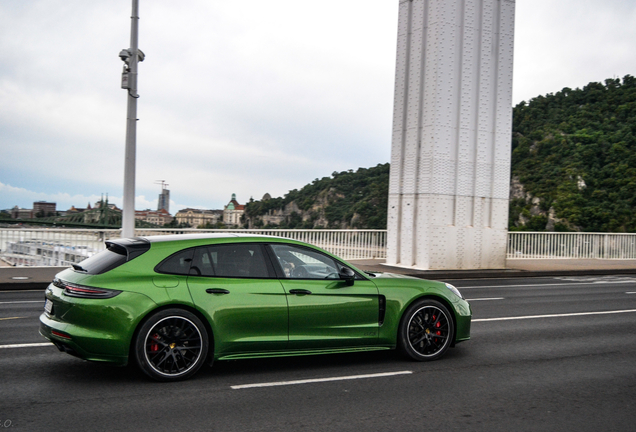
x=17 y=278
x=514 y=268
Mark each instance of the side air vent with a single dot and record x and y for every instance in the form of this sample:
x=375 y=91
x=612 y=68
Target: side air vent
x=382 y=302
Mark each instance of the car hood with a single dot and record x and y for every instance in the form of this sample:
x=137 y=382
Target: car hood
x=392 y=276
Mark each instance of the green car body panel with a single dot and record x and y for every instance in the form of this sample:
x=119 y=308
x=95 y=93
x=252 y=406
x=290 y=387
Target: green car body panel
x=244 y=317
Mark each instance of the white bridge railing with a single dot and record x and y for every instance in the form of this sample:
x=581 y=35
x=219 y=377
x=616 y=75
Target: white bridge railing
x=551 y=245
x=61 y=247
x=53 y=246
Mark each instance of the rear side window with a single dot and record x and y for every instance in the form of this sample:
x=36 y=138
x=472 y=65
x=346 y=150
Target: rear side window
x=177 y=264
x=236 y=260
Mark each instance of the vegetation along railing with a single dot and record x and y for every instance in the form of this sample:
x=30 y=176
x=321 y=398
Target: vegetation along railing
x=62 y=247
x=550 y=245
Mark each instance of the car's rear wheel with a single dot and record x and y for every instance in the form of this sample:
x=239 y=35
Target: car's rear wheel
x=426 y=330
x=171 y=345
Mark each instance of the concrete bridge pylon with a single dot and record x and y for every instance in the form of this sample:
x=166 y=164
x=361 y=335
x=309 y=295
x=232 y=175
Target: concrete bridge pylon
x=450 y=154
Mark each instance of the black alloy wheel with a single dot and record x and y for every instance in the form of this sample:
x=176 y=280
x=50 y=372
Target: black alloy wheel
x=426 y=330
x=171 y=345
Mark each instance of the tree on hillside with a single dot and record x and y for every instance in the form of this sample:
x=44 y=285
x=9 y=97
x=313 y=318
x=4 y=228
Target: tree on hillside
x=576 y=152
x=346 y=199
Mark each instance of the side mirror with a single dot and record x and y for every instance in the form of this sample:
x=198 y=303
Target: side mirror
x=347 y=275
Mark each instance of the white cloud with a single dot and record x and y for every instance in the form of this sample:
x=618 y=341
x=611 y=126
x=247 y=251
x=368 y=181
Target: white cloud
x=570 y=43
x=242 y=98
x=25 y=198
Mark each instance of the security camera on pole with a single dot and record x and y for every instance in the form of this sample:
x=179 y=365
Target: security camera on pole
x=130 y=57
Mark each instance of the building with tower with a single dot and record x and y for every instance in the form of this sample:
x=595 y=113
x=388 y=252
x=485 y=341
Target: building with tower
x=233 y=212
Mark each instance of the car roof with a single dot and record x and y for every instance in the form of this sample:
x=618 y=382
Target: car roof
x=202 y=236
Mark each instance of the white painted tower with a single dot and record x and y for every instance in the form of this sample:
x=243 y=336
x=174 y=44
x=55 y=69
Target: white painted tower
x=450 y=156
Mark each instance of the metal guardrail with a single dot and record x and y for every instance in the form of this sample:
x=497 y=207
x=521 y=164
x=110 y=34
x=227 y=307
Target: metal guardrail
x=62 y=247
x=576 y=245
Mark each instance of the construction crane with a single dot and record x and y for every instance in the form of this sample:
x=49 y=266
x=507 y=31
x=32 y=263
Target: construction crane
x=163 y=184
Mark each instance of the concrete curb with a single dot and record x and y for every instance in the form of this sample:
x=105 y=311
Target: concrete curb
x=493 y=274
x=27 y=278
x=515 y=269
x=38 y=278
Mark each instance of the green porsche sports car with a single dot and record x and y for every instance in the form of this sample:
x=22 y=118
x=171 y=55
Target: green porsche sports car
x=172 y=303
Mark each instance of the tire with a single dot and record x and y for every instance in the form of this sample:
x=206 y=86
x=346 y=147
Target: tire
x=426 y=330
x=171 y=345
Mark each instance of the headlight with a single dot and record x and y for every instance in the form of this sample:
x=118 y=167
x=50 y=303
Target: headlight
x=454 y=290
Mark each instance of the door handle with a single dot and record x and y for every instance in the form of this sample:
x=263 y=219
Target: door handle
x=217 y=291
x=299 y=291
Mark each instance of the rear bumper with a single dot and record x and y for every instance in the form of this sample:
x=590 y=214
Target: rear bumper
x=84 y=344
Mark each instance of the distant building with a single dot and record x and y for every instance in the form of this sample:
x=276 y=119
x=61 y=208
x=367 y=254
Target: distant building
x=232 y=212
x=164 y=200
x=159 y=217
x=43 y=209
x=73 y=209
x=198 y=217
x=21 y=213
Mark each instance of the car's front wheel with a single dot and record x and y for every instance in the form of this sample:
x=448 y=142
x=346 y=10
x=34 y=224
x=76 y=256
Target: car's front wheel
x=171 y=345
x=426 y=330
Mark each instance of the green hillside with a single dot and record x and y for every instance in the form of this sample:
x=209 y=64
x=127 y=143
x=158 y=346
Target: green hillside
x=573 y=168
x=347 y=199
x=575 y=151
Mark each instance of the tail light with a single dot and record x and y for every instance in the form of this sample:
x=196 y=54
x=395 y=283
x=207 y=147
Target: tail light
x=80 y=291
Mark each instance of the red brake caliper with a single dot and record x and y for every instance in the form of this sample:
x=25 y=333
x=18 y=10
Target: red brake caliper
x=437 y=325
x=154 y=346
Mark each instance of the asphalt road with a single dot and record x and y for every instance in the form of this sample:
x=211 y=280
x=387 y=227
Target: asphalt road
x=546 y=354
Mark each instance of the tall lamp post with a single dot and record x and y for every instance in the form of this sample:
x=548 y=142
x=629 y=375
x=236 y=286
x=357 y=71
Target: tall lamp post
x=130 y=57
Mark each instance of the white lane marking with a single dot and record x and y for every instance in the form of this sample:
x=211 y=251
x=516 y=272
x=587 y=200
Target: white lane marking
x=554 y=315
x=596 y=279
x=630 y=292
x=541 y=285
x=485 y=299
x=317 y=380
x=23 y=301
x=30 y=345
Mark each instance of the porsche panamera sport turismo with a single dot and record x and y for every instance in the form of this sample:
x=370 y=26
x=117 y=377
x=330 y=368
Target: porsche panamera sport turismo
x=172 y=303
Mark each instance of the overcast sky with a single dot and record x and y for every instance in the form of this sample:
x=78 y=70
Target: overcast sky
x=241 y=97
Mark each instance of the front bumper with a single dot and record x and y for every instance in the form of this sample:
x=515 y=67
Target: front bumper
x=463 y=317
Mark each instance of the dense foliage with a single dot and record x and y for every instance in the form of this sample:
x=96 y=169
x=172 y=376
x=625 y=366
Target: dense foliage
x=576 y=151
x=573 y=152
x=346 y=199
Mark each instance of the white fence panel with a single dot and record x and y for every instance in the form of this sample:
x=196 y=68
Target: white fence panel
x=61 y=247
x=53 y=246
x=551 y=245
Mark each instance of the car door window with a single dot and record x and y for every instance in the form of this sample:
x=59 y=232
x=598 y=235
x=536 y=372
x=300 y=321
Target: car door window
x=203 y=262
x=242 y=260
x=302 y=263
